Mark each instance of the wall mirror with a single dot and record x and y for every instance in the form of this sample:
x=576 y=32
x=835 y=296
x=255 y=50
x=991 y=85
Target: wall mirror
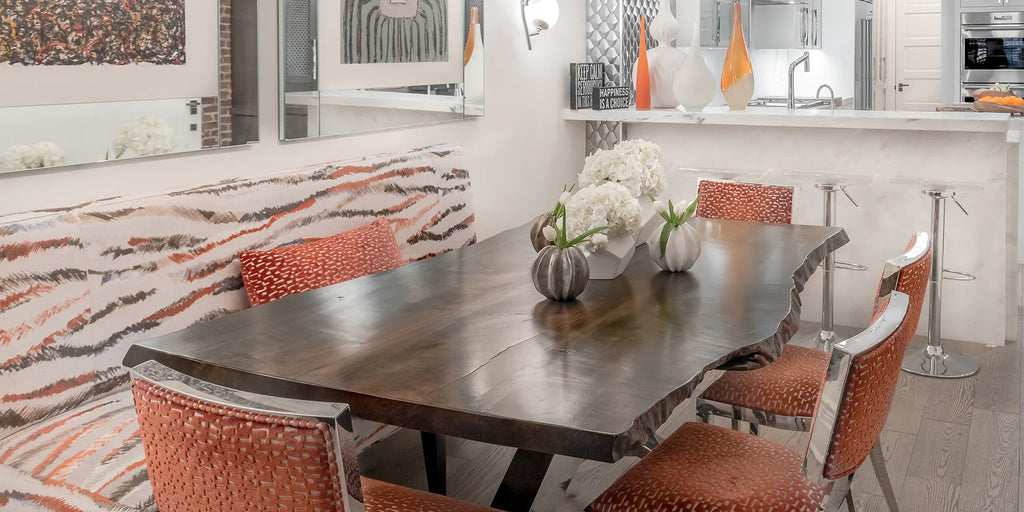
x=350 y=66
x=88 y=81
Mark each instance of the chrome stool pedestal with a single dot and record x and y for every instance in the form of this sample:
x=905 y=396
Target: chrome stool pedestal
x=830 y=185
x=933 y=360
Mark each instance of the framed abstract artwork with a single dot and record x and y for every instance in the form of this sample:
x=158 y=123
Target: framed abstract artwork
x=72 y=32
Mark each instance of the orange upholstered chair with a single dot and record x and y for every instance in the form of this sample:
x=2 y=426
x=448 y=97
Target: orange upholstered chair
x=210 y=448
x=706 y=467
x=276 y=273
x=732 y=200
x=783 y=393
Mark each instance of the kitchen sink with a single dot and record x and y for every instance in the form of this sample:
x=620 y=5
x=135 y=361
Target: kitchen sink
x=801 y=103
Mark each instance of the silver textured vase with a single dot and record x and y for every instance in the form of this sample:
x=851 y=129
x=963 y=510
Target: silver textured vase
x=681 y=251
x=560 y=274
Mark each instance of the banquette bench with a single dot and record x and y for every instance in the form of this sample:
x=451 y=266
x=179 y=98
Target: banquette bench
x=79 y=285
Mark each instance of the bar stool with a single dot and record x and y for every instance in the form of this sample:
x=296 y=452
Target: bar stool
x=830 y=185
x=933 y=360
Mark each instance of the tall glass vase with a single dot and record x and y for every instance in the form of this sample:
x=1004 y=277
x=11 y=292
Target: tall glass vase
x=643 y=73
x=737 y=74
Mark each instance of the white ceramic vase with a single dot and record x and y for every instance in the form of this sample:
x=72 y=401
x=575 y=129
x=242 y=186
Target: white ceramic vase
x=681 y=251
x=611 y=262
x=664 y=61
x=694 y=86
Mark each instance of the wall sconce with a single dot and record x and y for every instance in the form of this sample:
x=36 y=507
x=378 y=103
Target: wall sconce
x=538 y=15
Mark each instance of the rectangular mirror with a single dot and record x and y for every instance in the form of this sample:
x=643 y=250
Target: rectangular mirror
x=351 y=66
x=94 y=81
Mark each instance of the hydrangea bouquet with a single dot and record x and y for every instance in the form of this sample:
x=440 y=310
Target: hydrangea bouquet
x=634 y=164
x=40 y=154
x=146 y=135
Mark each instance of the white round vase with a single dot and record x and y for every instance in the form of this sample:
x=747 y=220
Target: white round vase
x=682 y=250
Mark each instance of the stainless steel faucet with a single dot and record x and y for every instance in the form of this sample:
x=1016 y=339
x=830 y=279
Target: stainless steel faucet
x=806 y=59
x=831 y=96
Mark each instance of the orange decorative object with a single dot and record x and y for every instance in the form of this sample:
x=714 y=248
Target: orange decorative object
x=643 y=72
x=737 y=74
x=474 y=18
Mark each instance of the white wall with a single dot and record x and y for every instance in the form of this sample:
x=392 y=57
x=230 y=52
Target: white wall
x=519 y=154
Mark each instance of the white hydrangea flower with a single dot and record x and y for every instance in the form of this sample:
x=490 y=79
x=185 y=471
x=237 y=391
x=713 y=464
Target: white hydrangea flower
x=40 y=154
x=609 y=204
x=48 y=154
x=147 y=135
x=636 y=164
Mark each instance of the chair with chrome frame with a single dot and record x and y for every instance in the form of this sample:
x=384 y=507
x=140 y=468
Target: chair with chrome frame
x=707 y=467
x=783 y=394
x=211 y=448
x=751 y=202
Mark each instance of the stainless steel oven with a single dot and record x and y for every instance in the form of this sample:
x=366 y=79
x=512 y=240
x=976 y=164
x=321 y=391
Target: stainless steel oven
x=992 y=47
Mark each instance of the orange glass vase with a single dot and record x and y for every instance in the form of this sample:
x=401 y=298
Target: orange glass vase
x=737 y=74
x=643 y=71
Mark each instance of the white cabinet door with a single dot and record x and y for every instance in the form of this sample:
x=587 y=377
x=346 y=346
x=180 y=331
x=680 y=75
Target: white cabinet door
x=918 y=54
x=988 y=3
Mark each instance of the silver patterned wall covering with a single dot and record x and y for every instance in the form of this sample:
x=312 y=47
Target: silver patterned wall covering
x=613 y=37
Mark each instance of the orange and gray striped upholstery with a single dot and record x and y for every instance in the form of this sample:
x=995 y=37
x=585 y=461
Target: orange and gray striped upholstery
x=82 y=284
x=706 y=467
x=212 y=456
x=749 y=202
x=790 y=386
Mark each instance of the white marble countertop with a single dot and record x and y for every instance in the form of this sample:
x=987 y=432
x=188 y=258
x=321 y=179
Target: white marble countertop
x=774 y=116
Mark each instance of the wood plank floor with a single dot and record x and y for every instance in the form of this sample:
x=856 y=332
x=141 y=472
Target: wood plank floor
x=950 y=445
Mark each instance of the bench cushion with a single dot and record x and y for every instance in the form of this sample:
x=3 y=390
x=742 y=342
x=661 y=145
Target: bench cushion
x=275 y=273
x=81 y=285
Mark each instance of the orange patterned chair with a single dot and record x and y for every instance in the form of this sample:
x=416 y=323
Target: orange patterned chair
x=212 y=449
x=706 y=467
x=751 y=202
x=784 y=393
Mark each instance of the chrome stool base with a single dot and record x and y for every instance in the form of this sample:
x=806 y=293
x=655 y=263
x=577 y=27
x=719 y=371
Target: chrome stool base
x=827 y=339
x=933 y=361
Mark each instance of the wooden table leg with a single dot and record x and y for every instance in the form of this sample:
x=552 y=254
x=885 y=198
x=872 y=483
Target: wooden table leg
x=522 y=481
x=435 y=461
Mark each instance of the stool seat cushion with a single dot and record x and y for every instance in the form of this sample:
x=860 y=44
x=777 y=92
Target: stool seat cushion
x=788 y=386
x=275 y=273
x=704 y=467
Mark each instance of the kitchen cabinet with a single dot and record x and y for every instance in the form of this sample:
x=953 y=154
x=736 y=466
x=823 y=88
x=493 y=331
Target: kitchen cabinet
x=989 y=3
x=716 y=22
x=785 y=24
x=767 y=24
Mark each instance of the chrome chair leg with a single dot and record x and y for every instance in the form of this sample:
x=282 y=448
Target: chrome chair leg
x=882 y=474
x=753 y=429
x=849 y=502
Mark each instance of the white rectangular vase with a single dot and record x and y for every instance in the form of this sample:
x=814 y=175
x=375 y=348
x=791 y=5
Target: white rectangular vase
x=611 y=262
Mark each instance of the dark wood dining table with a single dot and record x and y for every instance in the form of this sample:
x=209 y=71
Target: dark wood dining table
x=463 y=345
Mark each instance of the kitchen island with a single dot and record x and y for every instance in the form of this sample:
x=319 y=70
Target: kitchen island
x=976 y=148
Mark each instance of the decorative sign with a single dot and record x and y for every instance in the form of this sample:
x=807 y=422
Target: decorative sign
x=583 y=78
x=607 y=98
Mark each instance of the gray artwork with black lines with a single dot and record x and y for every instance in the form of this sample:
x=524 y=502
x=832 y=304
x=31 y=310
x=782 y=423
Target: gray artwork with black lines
x=374 y=37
